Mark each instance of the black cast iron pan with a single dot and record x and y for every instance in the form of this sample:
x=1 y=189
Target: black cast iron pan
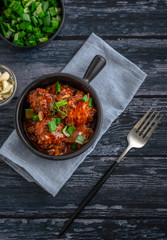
x=95 y=67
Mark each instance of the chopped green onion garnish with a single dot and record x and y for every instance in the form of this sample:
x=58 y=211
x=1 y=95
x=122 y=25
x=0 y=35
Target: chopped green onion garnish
x=55 y=24
x=90 y=102
x=58 y=88
x=71 y=129
x=47 y=21
x=73 y=146
x=65 y=131
x=52 y=125
x=29 y=3
x=29 y=113
x=61 y=103
x=44 y=39
x=45 y=6
x=57 y=121
x=85 y=98
x=80 y=139
x=3 y=30
x=34 y=20
x=26 y=15
x=35 y=118
x=40 y=11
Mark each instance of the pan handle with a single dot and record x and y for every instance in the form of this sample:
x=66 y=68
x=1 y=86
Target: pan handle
x=94 y=68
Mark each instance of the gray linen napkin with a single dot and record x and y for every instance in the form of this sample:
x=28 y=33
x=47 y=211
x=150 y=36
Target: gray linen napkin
x=116 y=85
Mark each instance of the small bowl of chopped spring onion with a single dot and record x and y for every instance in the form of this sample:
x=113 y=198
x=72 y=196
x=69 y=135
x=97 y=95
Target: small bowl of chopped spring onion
x=30 y=23
x=8 y=85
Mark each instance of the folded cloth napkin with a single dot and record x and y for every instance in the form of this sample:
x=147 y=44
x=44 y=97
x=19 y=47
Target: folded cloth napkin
x=116 y=85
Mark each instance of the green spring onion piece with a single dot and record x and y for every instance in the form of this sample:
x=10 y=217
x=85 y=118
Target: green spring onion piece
x=10 y=28
x=52 y=11
x=30 y=28
x=32 y=37
x=29 y=3
x=73 y=146
x=3 y=30
x=26 y=17
x=57 y=121
x=19 y=19
x=7 y=12
x=61 y=103
x=42 y=40
x=32 y=43
x=80 y=139
x=16 y=36
x=45 y=6
x=33 y=7
x=40 y=12
x=71 y=129
x=48 y=29
x=18 y=26
x=29 y=113
x=39 y=35
x=35 y=14
x=14 y=21
x=18 y=42
x=90 y=102
x=13 y=16
x=35 y=118
x=58 y=87
x=85 y=98
x=26 y=10
x=22 y=34
x=34 y=20
x=58 y=18
x=12 y=4
x=55 y=24
x=47 y=21
x=20 y=10
x=40 y=21
x=9 y=34
x=24 y=25
x=52 y=125
x=16 y=6
x=65 y=131
x=53 y=1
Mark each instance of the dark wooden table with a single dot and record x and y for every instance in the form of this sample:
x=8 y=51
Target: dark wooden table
x=133 y=202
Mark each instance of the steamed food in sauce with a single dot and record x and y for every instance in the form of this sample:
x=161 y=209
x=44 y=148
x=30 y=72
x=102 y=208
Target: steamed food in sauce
x=59 y=119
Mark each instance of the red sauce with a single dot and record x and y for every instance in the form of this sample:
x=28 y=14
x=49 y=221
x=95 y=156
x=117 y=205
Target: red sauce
x=78 y=114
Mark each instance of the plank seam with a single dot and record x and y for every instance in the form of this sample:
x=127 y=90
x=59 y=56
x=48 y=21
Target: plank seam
x=80 y=218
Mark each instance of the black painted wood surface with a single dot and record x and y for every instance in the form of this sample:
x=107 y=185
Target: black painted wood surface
x=133 y=202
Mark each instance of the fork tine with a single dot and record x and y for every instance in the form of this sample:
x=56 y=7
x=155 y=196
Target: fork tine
x=142 y=127
x=147 y=128
x=153 y=128
x=138 y=124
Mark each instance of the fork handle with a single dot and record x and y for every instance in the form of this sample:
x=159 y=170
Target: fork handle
x=94 y=191
x=124 y=153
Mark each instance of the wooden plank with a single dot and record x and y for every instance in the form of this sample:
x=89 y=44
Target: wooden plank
x=149 y=55
x=115 y=18
x=114 y=140
x=84 y=229
x=137 y=188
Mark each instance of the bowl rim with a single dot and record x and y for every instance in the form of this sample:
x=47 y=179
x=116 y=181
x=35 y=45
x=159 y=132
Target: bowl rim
x=42 y=44
x=84 y=147
x=4 y=102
